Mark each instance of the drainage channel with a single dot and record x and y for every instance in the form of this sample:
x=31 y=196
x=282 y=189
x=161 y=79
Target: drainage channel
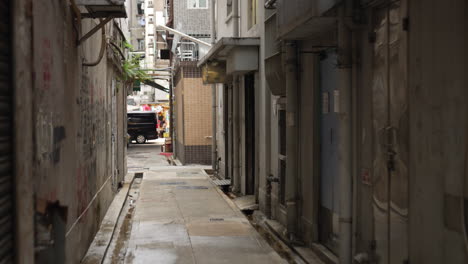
x=118 y=246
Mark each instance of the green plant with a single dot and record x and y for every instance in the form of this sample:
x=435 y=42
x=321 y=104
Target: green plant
x=131 y=68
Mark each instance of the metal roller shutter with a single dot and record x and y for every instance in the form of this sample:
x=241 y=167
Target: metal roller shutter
x=6 y=137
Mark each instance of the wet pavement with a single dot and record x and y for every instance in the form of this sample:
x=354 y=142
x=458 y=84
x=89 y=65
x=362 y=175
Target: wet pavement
x=176 y=215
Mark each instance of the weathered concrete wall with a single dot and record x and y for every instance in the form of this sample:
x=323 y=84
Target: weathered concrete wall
x=24 y=169
x=73 y=122
x=224 y=27
x=438 y=66
x=437 y=116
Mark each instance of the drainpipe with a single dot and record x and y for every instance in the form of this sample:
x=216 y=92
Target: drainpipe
x=291 y=139
x=269 y=177
x=236 y=135
x=235 y=179
x=344 y=148
x=235 y=18
x=171 y=114
x=214 y=152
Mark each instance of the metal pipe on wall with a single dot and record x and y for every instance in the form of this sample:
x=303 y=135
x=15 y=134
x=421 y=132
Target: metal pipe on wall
x=171 y=116
x=101 y=51
x=171 y=113
x=214 y=152
x=291 y=139
x=235 y=18
x=236 y=136
x=344 y=148
x=267 y=142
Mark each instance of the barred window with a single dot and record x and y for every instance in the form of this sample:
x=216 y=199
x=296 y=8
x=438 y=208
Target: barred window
x=197 y=4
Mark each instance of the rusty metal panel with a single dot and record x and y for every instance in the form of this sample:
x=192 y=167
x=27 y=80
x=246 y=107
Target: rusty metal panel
x=6 y=138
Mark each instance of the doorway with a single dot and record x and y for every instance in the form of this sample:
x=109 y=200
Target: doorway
x=329 y=158
x=226 y=129
x=6 y=138
x=249 y=93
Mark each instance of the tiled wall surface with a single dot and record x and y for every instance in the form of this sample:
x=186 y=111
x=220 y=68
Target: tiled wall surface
x=193 y=116
x=194 y=22
x=198 y=154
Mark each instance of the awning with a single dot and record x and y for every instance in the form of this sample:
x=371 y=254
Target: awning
x=240 y=54
x=103 y=8
x=156 y=85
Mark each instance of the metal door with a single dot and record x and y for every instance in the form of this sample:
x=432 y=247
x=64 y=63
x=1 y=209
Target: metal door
x=6 y=138
x=390 y=121
x=329 y=141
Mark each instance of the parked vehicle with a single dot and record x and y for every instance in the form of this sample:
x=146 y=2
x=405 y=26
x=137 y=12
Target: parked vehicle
x=142 y=126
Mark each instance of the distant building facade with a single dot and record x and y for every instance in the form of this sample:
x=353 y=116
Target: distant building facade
x=144 y=16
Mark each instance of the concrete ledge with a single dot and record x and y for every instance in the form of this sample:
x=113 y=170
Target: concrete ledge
x=177 y=162
x=98 y=248
x=324 y=254
x=277 y=231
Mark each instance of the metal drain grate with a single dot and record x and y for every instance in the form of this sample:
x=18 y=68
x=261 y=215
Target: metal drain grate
x=172 y=183
x=216 y=219
x=192 y=187
x=187 y=173
x=222 y=182
x=139 y=175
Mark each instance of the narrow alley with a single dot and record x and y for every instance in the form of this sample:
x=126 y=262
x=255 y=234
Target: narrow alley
x=175 y=214
x=233 y=131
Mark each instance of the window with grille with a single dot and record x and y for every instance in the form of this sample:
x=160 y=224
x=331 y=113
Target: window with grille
x=197 y=4
x=141 y=44
x=252 y=20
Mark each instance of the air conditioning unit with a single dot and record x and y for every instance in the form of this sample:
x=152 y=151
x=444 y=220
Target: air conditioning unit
x=103 y=8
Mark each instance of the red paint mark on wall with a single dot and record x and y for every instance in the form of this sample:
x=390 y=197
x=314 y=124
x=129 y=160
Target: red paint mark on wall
x=46 y=64
x=52 y=196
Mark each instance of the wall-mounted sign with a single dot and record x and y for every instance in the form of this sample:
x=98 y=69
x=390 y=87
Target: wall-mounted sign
x=214 y=72
x=336 y=101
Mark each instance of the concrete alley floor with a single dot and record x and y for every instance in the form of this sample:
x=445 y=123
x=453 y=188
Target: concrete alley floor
x=179 y=216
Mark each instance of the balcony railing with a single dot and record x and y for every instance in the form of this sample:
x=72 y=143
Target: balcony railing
x=187 y=51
